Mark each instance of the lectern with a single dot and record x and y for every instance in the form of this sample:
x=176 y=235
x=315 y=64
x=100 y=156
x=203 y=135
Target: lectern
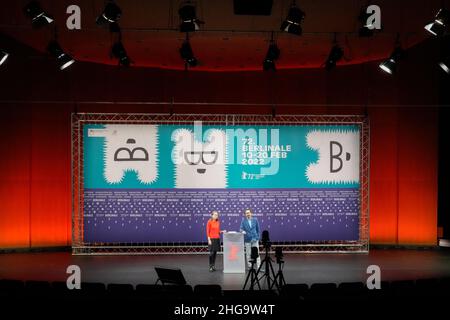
x=233 y=252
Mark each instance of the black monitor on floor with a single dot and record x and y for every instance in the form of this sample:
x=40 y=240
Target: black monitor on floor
x=170 y=276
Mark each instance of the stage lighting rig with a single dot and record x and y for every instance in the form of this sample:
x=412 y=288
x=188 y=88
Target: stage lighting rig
x=445 y=64
x=187 y=54
x=293 y=21
x=334 y=56
x=440 y=24
x=63 y=59
x=390 y=65
x=188 y=17
x=38 y=16
x=110 y=14
x=273 y=53
x=118 y=51
x=3 y=56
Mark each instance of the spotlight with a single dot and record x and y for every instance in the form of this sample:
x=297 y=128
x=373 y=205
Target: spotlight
x=292 y=24
x=445 y=64
x=38 y=16
x=187 y=54
x=440 y=24
x=189 y=20
x=111 y=14
x=335 y=55
x=64 y=60
x=3 y=56
x=390 y=65
x=273 y=53
x=118 y=51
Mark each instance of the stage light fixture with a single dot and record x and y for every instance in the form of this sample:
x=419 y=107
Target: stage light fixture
x=335 y=55
x=273 y=53
x=293 y=21
x=187 y=54
x=3 y=56
x=64 y=60
x=38 y=16
x=118 y=51
x=111 y=14
x=445 y=64
x=440 y=24
x=188 y=17
x=390 y=65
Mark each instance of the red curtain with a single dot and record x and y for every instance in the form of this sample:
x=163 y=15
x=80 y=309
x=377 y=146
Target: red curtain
x=35 y=176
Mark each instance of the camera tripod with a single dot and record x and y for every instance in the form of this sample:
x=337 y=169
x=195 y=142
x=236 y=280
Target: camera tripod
x=252 y=276
x=269 y=273
x=279 y=278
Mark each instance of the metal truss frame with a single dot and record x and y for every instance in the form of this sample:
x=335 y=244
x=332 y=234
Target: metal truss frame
x=78 y=120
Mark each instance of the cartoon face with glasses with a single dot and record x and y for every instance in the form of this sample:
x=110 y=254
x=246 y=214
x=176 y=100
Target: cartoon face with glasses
x=199 y=164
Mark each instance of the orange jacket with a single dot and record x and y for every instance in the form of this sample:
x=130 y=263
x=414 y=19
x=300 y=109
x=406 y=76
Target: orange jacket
x=213 y=229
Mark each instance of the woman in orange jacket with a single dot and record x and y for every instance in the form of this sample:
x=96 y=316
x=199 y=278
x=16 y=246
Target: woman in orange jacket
x=213 y=234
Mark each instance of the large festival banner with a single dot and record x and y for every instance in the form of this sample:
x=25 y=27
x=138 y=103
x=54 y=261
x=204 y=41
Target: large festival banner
x=155 y=183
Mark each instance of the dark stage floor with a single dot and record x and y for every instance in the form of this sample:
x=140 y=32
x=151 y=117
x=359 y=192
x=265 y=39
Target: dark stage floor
x=395 y=264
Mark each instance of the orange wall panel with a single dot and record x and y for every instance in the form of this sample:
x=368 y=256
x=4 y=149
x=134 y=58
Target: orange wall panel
x=50 y=176
x=383 y=175
x=418 y=158
x=15 y=178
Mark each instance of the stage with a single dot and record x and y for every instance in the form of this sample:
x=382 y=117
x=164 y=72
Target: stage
x=395 y=264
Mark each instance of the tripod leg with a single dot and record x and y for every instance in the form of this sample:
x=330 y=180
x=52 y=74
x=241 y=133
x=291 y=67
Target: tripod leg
x=251 y=275
x=259 y=268
x=279 y=279
x=246 y=280
x=267 y=273
x=273 y=274
x=257 y=281
x=282 y=281
x=274 y=280
x=253 y=280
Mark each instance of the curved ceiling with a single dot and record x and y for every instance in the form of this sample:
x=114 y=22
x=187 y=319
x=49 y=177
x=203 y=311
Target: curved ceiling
x=226 y=42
